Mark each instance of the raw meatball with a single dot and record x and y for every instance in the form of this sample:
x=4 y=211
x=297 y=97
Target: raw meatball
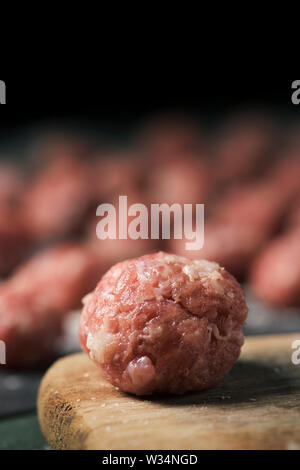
x=59 y=277
x=185 y=181
x=14 y=242
x=113 y=176
x=243 y=150
x=54 y=146
x=14 y=239
x=233 y=246
x=275 y=274
x=168 y=138
x=58 y=200
x=293 y=218
x=11 y=185
x=259 y=205
x=36 y=299
x=29 y=332
x=164 y=324
x=286 y=174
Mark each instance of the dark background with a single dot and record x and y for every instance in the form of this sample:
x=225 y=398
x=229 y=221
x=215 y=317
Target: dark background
x=118 y=103
x=36 y=99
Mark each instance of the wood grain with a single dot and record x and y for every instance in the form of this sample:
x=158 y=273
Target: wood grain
x=256 y=406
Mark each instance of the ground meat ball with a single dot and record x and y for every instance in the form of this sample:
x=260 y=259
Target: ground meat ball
x=233 y=246
x=11 y=184
x=58 y=200
x=293 y=218
x=286 y=174
x=259 y=204
x=170 y=137
x=243 y=150
x=14 y=242
x=275 y=274
x=14 y=239
x=164 y=324
x=59 y=277
x=115 y=175
x=51 y=146
x=36 y=299
x=29 y=332
x=186 y=181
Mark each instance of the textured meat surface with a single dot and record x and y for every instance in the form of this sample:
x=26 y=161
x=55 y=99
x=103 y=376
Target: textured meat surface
x=164 y=324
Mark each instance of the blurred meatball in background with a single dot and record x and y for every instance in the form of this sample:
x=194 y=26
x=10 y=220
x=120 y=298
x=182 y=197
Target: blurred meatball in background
x=169 y=137
x=36 y=299
x=185 y=181
x=29 y=332
x=15 y=242
x=231 y=246
x=59 y=276
x=12 y=184
x=243 y=149
x=260 y=204
x=49 y=146
x=275 y=274
x=115 y=174
x=286 y=174
x=293 y=218
x=14 y=237
x=57 y=199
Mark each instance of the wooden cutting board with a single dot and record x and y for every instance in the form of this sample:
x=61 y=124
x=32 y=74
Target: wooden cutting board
x=256 y=406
